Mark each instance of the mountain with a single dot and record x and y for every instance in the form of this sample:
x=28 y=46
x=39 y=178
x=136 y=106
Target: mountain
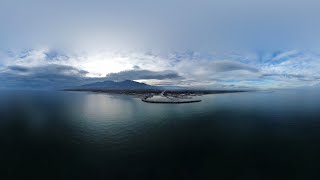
x=122 y=85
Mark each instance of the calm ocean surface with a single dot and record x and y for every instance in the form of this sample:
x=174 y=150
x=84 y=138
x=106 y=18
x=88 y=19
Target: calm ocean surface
x=79 y=135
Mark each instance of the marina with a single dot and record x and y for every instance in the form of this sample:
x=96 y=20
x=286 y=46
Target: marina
x=163 y=98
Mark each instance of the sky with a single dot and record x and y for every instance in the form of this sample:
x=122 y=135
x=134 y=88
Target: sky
x=215 y=44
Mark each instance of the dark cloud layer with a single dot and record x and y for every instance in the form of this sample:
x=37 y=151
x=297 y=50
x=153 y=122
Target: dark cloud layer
x=137 y=74
x=43 y=77
x=54 y=76
x=18 y=68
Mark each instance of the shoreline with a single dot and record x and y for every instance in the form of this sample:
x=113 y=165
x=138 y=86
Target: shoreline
x=148 y=92
x=147 y=95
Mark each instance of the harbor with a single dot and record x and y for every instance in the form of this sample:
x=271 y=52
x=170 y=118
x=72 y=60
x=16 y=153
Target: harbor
x=166 y=99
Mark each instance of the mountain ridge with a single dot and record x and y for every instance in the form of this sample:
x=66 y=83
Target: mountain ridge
x=122 y=85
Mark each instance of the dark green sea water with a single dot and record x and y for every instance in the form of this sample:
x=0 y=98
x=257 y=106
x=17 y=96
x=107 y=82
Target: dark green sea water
x=78 y=135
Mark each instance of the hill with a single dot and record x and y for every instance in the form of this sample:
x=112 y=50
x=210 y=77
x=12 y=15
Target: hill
x=122 y=85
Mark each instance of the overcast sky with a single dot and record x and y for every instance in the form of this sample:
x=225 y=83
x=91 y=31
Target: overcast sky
x=207 y=43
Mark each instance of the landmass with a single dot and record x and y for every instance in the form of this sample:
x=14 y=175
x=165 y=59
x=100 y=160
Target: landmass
x=148 y=93
x=145 y=92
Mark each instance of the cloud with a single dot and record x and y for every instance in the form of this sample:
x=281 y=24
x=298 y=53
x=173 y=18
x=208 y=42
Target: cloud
x=55 y=55
x=136 y=67
x=18 y=68
x=227 y=65
x=256 y=69
x=137 y=74
x=43 y=77
x=49 y=69
x=212 y=69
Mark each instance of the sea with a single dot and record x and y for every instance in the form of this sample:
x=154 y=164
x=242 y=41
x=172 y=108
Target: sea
x=260 y=135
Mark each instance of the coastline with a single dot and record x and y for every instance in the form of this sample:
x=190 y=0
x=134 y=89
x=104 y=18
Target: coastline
x=146 y=92
x=159 y=96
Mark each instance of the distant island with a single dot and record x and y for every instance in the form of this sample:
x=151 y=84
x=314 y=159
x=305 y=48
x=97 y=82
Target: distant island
x=130 y=87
